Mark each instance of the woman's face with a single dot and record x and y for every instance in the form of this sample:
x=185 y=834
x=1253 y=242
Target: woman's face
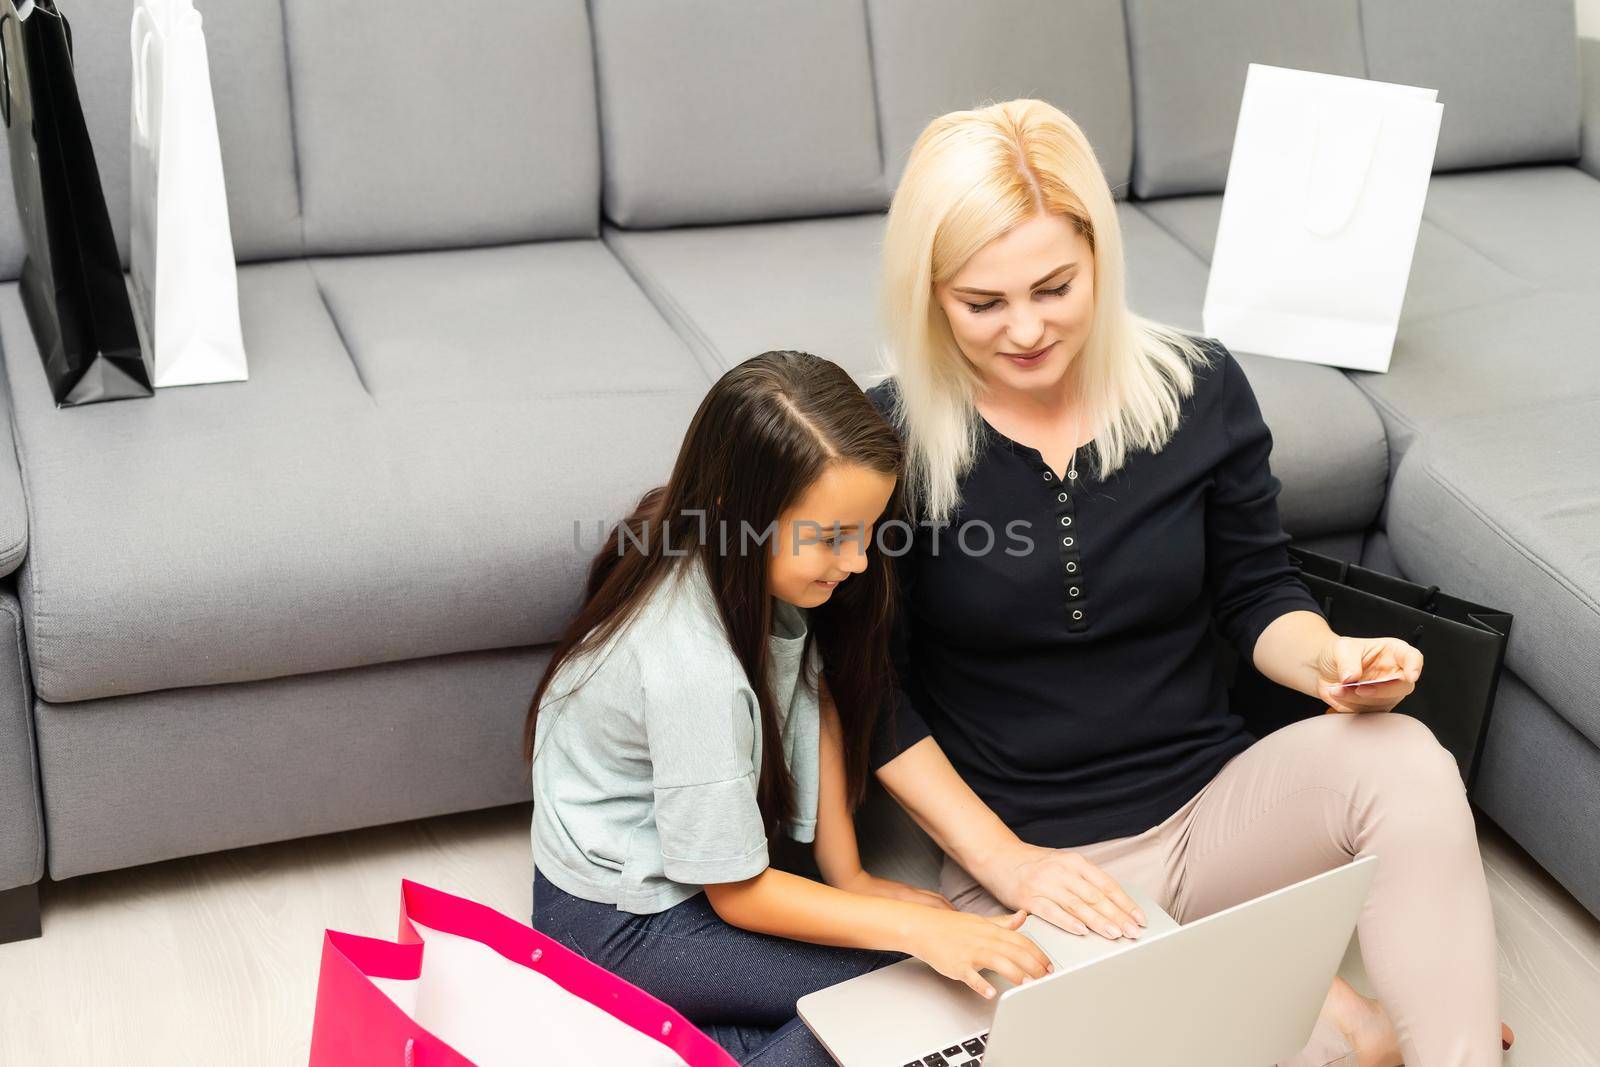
x=822 y=540
x=1022 y=306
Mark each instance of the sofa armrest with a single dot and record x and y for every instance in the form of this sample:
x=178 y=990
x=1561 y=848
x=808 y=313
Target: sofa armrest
x=13 y=508
x=1589 y=64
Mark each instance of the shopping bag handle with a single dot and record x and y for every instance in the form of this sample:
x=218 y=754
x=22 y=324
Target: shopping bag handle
x=5 y=71
x=1347 y=135
x=140 y=49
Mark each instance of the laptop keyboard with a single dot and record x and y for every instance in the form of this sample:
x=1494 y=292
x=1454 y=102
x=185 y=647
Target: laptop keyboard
x=968 y=1053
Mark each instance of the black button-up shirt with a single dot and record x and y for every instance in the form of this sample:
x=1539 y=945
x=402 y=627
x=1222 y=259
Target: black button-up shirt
x=1070 y=672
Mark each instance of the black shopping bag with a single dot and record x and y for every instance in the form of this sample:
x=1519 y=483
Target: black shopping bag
x=72 y=283
x=1463 y=646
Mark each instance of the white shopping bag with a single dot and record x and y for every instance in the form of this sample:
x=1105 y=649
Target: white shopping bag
x=186 y=288
x=1320 y=216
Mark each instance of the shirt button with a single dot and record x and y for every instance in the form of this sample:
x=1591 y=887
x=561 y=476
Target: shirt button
x=1049 y=477
x=1077 y=615
x=1067 y=541
x=1071 y=567
x=1073 y=475
x=1061 y=497
x=1066 y=520
x=1073 y=590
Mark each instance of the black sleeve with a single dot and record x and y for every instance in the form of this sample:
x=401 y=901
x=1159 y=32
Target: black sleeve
x=900 y=725
x=1248 y=572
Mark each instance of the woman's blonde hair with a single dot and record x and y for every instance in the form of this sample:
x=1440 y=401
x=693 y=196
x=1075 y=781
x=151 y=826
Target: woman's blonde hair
x=971 y=177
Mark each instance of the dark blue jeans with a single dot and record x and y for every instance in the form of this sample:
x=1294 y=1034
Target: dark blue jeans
x=737 y=986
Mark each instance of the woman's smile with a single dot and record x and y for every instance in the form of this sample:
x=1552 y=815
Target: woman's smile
x=1029 y=359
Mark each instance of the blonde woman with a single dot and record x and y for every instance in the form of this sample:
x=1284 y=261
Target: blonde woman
x=1091 y=494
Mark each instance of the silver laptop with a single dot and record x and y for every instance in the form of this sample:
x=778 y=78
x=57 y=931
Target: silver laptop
x=1240 y=988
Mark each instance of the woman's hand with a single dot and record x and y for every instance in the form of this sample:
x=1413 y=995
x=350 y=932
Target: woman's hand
x=1064 y=889
x=1354 y=659
x=870 y=885
x=958 y=945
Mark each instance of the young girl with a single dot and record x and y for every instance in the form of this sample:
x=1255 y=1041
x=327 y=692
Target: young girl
x=720 y=683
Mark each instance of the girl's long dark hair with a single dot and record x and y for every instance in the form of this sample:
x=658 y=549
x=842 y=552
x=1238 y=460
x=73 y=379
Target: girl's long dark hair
x=763 y=434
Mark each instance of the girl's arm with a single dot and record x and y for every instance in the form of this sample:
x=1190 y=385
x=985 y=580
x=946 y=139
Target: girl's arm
x=956 y=944
x=837 y=853
x=856 y=910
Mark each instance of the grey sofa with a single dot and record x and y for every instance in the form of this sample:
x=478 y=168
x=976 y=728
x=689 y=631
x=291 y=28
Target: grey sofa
x=493 y=254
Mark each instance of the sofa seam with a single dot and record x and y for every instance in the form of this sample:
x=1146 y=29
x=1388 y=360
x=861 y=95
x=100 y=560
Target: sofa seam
x=1534 y=285
x=21 y=546
x=32 y=739
x=26 y=565
x=1361 y=35
x=1170 y=232
x=294 y=124
x=338 y=330
x=877 y=103
x=670 y=311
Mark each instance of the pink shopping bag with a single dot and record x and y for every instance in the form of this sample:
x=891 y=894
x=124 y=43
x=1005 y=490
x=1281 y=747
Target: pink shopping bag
x=466 y=985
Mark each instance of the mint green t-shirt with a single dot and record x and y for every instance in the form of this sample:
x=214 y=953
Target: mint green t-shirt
x=648 y=749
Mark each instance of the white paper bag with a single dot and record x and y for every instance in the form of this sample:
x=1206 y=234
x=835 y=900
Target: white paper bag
x=186 y=288
x=1320 y=216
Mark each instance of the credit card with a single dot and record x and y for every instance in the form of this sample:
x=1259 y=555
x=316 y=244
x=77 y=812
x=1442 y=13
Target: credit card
x=1370 y=681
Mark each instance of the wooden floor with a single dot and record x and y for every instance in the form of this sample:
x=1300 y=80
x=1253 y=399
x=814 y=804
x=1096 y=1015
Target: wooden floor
x=213 y=960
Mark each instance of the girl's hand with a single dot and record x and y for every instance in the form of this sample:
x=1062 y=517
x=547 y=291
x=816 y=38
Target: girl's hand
x=1064 y=889
x=1356 y=659
x=958 y=945
x=872 y=886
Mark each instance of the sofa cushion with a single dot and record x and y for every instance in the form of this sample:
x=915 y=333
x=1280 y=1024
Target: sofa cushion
x=1487 y=309
x=21 y=812
x=934 y=56
x=733 y=291
x=1541 y=224
x=1189 y=63
x=13 y=506
x=1507 y=75
x=812 y=284
x=1502 y=358
x=1447 y=272
x=401 y=476
x=1503 y=509
x=421 y=126
x=727 y=111
x=249 y=84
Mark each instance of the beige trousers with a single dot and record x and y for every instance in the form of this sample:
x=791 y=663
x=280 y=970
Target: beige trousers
x=1308 y=798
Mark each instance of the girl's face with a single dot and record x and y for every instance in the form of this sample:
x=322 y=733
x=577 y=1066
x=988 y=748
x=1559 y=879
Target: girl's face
x=1022 y=306
x=822 y=540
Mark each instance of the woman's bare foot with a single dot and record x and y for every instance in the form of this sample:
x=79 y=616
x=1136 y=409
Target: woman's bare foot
x=1364 y=1024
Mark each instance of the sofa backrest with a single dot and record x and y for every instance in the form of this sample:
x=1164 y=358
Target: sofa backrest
x=934 y=56
x=368 y=127
x=350 y=127
x=725 y=110
x=719 y=111
x=1507 y=75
